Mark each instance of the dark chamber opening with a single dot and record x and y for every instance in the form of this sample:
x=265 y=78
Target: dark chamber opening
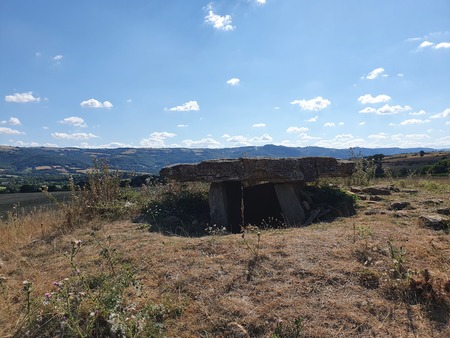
x=261 y=203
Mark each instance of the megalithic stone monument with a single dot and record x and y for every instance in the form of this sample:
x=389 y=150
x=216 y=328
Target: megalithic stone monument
x=250 y=190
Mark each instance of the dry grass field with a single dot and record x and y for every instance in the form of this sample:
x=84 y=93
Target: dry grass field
x=380 y=273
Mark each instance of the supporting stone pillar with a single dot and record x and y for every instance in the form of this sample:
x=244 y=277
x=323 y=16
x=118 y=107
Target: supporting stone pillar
x=225 y=205
x=218 y=204
x=290 y=205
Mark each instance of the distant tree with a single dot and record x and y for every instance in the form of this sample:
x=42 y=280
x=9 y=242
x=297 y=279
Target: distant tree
x=421 y=153
x=377 y=161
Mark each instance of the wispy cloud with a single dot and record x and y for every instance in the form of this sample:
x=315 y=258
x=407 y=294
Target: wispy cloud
x=240 y=140
x=443 y=115
x=368 y=98
x=297 y=130
x=156 y=139
x=313 y=119
x=74 y=121
x=421 y=112
x=58 y=58
x=74 y=136
x=425 y=44
x=385 y=110
x=329 y=124
x=207 y=142
x=182 y=126
x=259 y=125
x=261 y=2
x=234 y=81
x=10 y=131
x=219 y=22
x=13 y=121
x=377 y=72
x=188 y=106
x=315 y=104
x=93 y=103
x=413 y=121
x=22 y=98
x=442 y=45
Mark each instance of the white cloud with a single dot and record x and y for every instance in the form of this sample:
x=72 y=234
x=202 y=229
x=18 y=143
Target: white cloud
x=261 y=2
x=315 y=104
x=375 y=73
x=422 y=112
x=13 y=121
x=93 y=103
x=297 y=130
x=442 y=45
x=341 y=141
x=208 y=142
x=386 y=110
x=182 y=126
x=74 y=136
x=9 y=131
x=379 y=136
x=362 y=123
x=401 y=137
x=188 y=106
x=365 y=99
x=443 y=115
x=426 y=44
x=259 y=125
x=219 y=22
x=58 y=58
x=413 y=121
x=341 y=123
x=276 y=108
x=313 y=119
x=234 y=81
x=22 y=98
x=238 y=140
x=447 y=123
x=156 y=139
x=262 y=138
x=368 y=110
x=74 y=121
x=329 y=124
x=115 y=145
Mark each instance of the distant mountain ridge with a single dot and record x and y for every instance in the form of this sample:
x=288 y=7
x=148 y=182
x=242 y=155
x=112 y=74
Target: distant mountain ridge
x=18 y=160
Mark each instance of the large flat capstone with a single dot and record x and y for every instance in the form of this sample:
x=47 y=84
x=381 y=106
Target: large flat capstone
x=249 y=170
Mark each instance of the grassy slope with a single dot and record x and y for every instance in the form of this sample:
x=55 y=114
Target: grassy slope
x=314 y=272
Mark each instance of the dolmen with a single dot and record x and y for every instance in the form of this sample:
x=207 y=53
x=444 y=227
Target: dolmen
x=252 y=190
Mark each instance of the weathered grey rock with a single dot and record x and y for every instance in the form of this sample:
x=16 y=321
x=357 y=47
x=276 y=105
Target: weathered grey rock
x=376 y=190
x=400 y=205
x=443 y=211
x=437 y=222
x=432 y=202
x=282 y=170
x=291 y=207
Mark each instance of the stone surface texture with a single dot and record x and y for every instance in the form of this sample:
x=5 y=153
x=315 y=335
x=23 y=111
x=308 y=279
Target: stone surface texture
x=253 y=171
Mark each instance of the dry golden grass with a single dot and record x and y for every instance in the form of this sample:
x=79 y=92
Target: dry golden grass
x=337 y=277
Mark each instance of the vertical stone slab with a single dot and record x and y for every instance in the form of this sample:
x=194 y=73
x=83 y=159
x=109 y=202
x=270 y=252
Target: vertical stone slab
x=291 y=206
x=218 y=204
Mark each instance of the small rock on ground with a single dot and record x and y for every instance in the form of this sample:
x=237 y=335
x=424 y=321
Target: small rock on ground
x=437 y=222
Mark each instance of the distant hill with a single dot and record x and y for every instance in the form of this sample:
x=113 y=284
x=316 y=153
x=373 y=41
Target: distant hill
x=20 y=161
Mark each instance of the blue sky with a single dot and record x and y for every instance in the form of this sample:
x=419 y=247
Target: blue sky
x=226 y=73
